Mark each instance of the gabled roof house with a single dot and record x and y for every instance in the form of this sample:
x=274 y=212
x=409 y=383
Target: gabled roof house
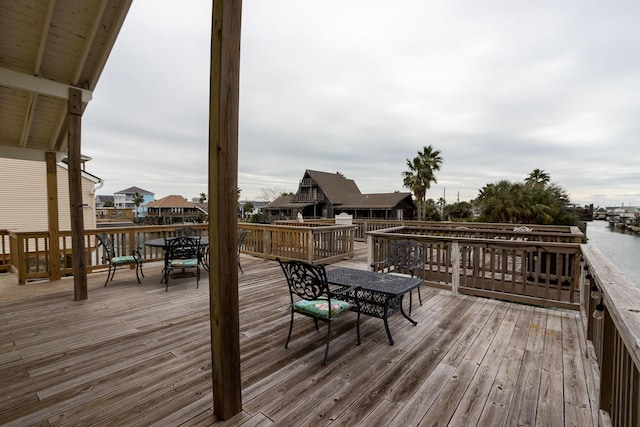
x=324 y=195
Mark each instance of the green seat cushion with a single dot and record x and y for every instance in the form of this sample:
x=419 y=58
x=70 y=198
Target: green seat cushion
x=127 y=259
x=320 y=308
x=183 y=263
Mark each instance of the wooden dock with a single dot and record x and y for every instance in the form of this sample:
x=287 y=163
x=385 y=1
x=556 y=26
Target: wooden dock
x=136 y=355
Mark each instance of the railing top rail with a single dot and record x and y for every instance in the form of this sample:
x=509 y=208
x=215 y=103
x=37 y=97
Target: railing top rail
x=620 y=296
x=393 y=234
x=313 y=227
x=124 y=228
x=479 y=225
x=499 y=230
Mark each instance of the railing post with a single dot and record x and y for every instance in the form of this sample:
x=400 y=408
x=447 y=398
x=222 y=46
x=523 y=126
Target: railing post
x=18 y=257
x=352 y=240
x=369 y=249
x=266 y=242
x=310 y=245
x=455 y=270
x=133 y=244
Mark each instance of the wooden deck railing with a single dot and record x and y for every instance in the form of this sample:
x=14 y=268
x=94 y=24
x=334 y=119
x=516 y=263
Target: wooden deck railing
x=611 y=312
x=547 y=233
x=27 y=254
x=518 y=266
x=307 y=242
x=477 y=230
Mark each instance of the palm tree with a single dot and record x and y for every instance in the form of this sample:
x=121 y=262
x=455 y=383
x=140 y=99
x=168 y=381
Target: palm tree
x=442 y=203
x=501 y=202
x=538 y=178
x=203 y=197
x=413 y=182
x=421 y=174
x=138 y=199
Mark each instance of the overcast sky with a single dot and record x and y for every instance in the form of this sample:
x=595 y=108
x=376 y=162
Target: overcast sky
x=499 y=87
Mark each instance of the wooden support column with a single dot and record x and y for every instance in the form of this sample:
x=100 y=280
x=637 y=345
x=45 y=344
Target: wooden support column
x=53 y=216
x=75 y=195
x=223 y=227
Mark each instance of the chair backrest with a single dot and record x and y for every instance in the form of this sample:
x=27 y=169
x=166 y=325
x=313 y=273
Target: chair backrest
x=305 y=280
x=188 y=232
x=183 y=248
x=109 y=251
x=406 y=255
x=241 y=237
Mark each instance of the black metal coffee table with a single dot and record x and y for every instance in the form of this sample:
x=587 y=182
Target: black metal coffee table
x=379 y=294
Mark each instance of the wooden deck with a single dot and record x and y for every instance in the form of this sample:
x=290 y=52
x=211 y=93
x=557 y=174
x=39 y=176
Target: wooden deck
x=137 y=355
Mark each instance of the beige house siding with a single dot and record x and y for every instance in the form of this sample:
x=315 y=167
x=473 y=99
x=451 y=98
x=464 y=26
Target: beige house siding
x=23 y=197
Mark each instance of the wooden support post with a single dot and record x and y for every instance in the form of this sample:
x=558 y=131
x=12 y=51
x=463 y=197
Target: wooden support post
x=53 y=217
x=223 y=226
x=75 y=195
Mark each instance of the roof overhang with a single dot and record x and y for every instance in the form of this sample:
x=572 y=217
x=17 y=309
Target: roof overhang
x=49 y=48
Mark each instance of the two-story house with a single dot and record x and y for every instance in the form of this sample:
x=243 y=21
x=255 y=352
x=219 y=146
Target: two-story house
x=126 y=199
x=324 y=195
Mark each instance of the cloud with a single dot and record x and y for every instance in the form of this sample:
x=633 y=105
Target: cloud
x=500 y=88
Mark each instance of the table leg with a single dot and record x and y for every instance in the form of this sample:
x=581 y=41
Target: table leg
x=386 y=322
x=164 y=269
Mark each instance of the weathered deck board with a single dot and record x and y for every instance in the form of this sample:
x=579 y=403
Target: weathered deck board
x=137 y=355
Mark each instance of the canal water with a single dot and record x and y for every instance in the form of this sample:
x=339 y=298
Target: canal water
x=621 y=247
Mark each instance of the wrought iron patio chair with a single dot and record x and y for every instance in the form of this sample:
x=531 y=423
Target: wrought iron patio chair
x=196 y=232
x=182 y=253
x=404 y=257
x=241 y=237
x=110 y=257
x=310 y=296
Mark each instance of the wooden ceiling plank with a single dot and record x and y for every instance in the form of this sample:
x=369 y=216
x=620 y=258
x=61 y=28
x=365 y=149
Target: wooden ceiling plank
x=88 y=42
x=115 y=30
x=28 y=119
x=58 y=140
x=43 y=38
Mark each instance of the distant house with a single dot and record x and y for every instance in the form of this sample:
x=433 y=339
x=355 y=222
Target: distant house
x=324 y=195
x=174 y=210
x=104 y=201
x=124 y=199
x=107 y=215
x=24 y=196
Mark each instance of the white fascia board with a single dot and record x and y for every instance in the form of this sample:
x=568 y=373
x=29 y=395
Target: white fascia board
x=22 y=153
x=39 y=85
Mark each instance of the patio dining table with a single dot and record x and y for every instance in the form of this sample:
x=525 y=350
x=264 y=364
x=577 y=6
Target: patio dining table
x=204 y=248
x=379 y=294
